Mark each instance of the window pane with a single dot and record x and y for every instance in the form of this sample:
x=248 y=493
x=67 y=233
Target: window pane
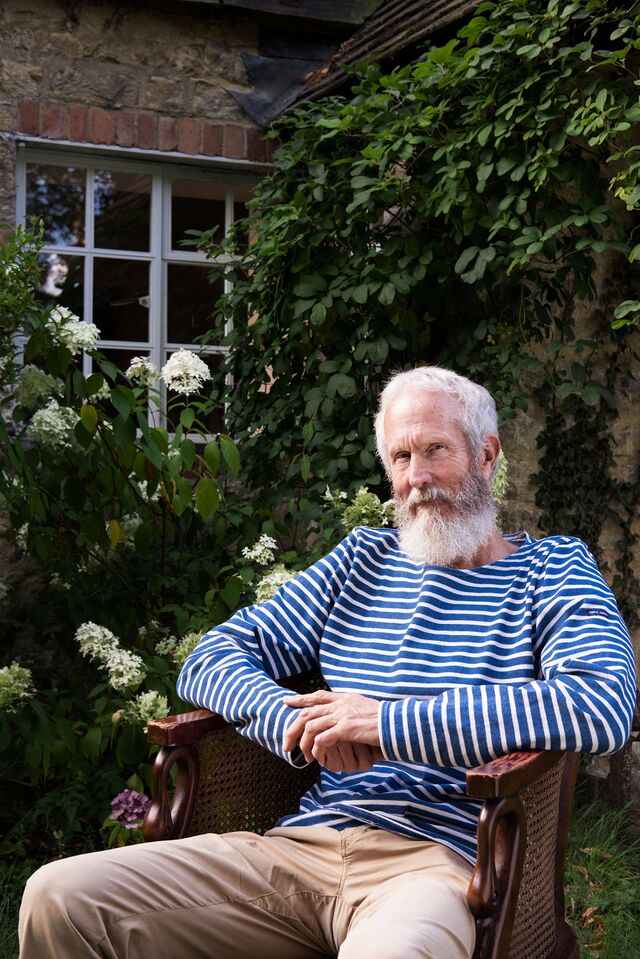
x=190 y=301
x=196 y=205
x=122 y=207
x=56 y=194
x=214 y=420
x=121 y=299
x=62 y=281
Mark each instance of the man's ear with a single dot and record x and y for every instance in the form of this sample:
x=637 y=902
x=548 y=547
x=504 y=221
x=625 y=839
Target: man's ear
x=489 y=455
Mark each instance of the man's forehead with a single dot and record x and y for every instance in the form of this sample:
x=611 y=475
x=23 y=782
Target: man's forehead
x=429 y=408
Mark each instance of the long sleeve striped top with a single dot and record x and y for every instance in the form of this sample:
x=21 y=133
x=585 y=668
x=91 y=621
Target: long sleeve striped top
x=528 y=652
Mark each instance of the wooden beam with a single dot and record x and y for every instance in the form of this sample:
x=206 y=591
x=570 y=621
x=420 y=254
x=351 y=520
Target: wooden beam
x=353 y=12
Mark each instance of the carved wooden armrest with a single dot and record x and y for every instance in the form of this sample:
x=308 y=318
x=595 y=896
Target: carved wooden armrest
x=168 y=816
x=502 y=839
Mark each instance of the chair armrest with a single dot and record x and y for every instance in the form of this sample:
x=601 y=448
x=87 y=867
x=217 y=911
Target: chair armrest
x=509 y=774
x=184 y=728
x=504 y=846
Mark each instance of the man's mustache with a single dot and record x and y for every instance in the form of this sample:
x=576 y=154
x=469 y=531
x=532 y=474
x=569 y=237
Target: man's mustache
x=428 y=494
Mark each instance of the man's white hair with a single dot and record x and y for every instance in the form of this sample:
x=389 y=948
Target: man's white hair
x=478 y=416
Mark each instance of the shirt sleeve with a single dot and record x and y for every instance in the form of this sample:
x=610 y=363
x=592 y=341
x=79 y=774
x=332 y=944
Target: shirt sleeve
x=582 y=701
x=235 y=667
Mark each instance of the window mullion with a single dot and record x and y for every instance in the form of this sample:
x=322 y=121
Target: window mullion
x=157 y=279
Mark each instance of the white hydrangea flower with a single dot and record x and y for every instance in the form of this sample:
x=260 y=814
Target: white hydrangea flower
x=16 y=686
x=145 y=707
x=102 y=393
x=186 y=645
x=34 y=386
x=70 y=331
x=366 y=509
x=6 y=364
x=143 y=486
x=166 y=646
x=53 y=426
x=58 y=583
x=334 y=499
x=262 y=552
x=271 y=582
x=125 y=669
x=95 y=641
x=142 y=371
x=185 y=372
x=500 y=481
x=21 y=537
x=130 y=523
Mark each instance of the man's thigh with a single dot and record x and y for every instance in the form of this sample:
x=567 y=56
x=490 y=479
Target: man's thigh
x=207 y=897
x=417 y=910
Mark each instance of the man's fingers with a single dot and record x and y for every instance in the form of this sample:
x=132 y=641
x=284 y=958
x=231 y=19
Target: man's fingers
x=310 y=699
x=299 y=724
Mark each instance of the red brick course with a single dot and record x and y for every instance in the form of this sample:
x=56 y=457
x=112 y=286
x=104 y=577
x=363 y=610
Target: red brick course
x=29 y=118
x=53 y=121
x=125 y=132
x=77 y=117
x=146 y=131
x=189 y=136
x=235 y=145
x=168 y=133
x=101 y=123
x=212 y=139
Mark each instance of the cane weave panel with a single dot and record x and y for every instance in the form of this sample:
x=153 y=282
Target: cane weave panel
x=534 y=928
x=243 y=786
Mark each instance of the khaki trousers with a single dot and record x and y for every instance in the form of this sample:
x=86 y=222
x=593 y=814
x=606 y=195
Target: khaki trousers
x=295 y=893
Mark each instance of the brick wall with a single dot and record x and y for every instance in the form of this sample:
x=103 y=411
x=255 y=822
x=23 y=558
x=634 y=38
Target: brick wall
x=133 y=75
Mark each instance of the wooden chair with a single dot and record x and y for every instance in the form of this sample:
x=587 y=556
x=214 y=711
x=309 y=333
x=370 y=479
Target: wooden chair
x=225 y=782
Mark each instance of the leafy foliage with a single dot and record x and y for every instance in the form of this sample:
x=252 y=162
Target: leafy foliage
x=477 y=208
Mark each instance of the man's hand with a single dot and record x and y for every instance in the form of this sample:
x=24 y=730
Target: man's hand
x=340 y=730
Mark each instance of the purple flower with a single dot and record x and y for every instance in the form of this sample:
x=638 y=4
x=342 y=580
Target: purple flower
x=129 y=808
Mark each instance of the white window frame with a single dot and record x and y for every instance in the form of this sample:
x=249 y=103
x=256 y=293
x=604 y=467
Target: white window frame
x=160 y=254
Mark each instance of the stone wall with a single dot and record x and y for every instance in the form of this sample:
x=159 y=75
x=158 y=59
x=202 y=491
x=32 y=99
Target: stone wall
x=147 y=76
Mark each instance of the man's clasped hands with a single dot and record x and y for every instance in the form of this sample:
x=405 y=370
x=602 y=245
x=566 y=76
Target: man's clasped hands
x=339 y=730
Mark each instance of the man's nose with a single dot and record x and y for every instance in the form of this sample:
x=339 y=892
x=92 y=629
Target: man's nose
x=419 y=473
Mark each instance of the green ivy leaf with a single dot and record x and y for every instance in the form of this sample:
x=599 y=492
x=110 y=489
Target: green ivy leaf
x=230 y=453
x=207 y=497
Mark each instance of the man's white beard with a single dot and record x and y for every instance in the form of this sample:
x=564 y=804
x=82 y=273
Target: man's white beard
x=436 y=538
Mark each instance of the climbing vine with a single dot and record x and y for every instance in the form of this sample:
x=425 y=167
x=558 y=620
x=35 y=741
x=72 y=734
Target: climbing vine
x=476 y=207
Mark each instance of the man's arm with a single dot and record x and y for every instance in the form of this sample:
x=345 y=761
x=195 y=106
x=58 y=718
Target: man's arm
x=583 y=700
x=235 y=667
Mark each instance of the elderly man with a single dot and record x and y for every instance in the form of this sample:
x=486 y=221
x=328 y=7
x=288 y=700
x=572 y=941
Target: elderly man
x=444 y=644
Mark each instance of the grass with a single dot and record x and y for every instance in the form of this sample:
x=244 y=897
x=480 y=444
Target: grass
x=602 y=884
x=602 y=887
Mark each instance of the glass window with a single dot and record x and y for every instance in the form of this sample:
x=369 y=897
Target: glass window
x=121 y=299
x=114 y=256
x=122 y=210
x=190 y=301
x=56 y=195
x=196 y=205
x=62 y=280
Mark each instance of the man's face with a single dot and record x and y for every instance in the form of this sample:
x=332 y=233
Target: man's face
x=426 y=444
x=444 y=505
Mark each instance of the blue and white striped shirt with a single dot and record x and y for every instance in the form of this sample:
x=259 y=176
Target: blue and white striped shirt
x=528 y=652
